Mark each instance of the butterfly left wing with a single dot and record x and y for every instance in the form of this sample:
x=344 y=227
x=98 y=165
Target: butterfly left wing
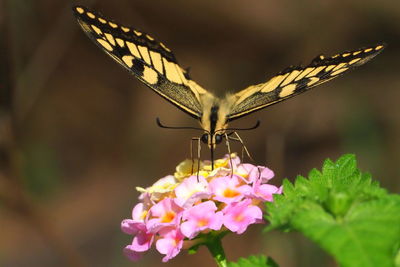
x=147 y=59
x=296 y=80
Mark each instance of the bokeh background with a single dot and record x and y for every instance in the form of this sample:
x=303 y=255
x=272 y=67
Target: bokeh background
x=78 y=133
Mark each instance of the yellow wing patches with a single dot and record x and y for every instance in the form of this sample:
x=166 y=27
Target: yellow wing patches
x=125 y=29
x=312 y=81
x=149 y=75
x=166 y=48
x=291 y=77
x=128 y=60
x=273 y=83
x=110 y=38
x=113 y=25
x=315 y=71
x=133 y=49
x=172 y=73
x=304 y=73
x=157 y=61
x=339 y=66
x=346 y=54
x=96 y=29
x=104 y=44
x=330 y=67
x=354 y=61
x=338 y=71
x=120 y=42
x=137 y=32
x=149 y=37
x=101 y=20
x=90 y=15
x=287 y=90
x=145 y=54
x=180 y=72
x=367 y=50
x=80 y=10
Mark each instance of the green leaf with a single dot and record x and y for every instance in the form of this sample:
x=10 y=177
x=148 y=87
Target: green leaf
x=343 y=211
x=254 y=261
x=397 y=259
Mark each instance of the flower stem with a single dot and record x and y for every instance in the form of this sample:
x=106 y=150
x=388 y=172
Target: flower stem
x=217 y=251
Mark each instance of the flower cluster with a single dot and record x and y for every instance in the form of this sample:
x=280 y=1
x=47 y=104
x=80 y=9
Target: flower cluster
x=177 y=208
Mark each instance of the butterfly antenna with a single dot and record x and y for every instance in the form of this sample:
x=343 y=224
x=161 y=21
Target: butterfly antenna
x=245 y=129
x=176 y=127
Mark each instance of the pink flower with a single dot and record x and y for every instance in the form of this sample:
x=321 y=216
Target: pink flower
x=201 y=217
x=132 y=226
x=141 y=243
x=262 y=173
x=264 y=192
x=239 y=215
x=192 y=190
x=228 y=189
x=165 y=213
x=184 y=208
x=253 y=173
x=233 y=162
x=170 y=244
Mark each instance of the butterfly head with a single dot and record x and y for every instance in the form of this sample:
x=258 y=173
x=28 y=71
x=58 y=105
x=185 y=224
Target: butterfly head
x=214 y=123
x=212 y=139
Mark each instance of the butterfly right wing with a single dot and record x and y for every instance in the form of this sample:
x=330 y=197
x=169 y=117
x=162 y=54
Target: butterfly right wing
x=296 y=80
x=147 y=59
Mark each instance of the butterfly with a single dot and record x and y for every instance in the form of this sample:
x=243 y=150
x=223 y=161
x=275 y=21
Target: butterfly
x=154 y=64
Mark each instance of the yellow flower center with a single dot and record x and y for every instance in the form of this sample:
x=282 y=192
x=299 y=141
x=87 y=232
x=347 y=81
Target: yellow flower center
x=230 y=193
x=239 y=218
x=202 y=222
x=168 y=217
x=143 y=215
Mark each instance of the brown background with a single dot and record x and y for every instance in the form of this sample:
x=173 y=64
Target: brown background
x=78 y=133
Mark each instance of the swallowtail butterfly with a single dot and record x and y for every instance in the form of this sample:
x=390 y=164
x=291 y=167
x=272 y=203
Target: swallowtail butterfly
x=154 y=64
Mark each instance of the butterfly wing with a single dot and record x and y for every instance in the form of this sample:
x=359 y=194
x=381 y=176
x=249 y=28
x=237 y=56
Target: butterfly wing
x=296 y=80
x=147 y=59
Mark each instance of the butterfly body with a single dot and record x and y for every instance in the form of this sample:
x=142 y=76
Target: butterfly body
x=155 y=65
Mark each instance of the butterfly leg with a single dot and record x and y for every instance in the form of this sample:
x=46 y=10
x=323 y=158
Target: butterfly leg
x=242 y=150
x=236 y=140
x=239 y=139
x=229 y=151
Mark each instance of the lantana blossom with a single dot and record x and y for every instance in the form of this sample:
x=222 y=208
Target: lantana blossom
x=185 y=207
x=229 y=189
x=170 y=243
x=192 y=190
x=239 y=215
x=201 y=217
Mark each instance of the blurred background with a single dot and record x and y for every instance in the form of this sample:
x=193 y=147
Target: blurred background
x=78 y=133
